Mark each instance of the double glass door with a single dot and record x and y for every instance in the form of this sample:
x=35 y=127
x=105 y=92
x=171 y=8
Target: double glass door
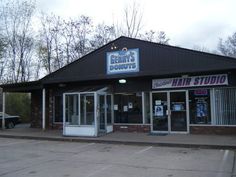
x=169 y=111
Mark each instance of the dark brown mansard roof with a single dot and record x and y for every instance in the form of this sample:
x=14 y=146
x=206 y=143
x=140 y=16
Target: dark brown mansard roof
x=156 y=60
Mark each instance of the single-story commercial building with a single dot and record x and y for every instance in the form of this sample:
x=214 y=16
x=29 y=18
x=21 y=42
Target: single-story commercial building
x=136 y=86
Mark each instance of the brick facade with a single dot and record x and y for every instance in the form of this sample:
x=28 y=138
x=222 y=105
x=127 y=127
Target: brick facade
x=50 y=104
x=36 y=109
x=132 y=128
x=218 y=130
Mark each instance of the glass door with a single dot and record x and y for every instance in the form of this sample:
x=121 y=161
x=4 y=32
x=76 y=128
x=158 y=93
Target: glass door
x=102 y=113
x=87 y=109
x=160 y=120
x=178 y=108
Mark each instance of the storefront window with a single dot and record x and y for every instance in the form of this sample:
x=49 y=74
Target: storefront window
x=199 y=106
x=128 y=108
x=225 y=106
x=72 y=112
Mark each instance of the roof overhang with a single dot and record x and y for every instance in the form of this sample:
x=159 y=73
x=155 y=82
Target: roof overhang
x=22 y=87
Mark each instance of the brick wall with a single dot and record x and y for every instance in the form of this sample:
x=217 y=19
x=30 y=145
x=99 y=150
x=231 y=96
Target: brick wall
x=50 y=109
x=132 y=128
x=219 y=130
x=36 y=109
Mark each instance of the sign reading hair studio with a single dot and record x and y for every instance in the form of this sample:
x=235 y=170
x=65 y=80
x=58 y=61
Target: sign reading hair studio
x=193 y=81
x=123 y=61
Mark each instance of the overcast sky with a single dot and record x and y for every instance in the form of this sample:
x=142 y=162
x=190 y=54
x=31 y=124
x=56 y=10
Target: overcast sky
x=186 y=22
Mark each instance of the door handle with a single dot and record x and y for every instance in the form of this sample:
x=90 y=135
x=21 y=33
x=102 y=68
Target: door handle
x=168 y=112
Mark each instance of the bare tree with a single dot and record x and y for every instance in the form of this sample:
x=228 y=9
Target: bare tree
x=67 y=35
x=63 y=41
x=2 y=58
x=152 y=36
x=16 y=27
x=49 y=41
x=201 y=48
x=131 y=25
x=102 y=35
x=228 y=47
x=83 y=30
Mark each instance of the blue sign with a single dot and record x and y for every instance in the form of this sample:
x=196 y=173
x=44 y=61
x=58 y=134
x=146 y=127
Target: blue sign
x=123 y=61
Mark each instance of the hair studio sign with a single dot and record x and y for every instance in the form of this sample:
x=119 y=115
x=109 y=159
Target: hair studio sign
x=123 y=61
x=193 y=81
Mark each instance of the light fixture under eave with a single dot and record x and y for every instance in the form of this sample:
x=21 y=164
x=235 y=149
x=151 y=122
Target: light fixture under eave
x=62 y=85
x=122 y=81
x=113 y=46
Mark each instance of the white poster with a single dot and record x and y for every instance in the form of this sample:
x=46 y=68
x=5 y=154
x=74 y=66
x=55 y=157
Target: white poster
x=159 y=110
x=115 y=107
x=158 y=102
x=130 y=105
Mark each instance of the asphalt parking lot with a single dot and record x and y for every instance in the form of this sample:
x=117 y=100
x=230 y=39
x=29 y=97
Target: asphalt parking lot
x=36 y=158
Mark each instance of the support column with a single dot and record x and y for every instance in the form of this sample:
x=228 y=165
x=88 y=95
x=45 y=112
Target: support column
x=96 y=113
x=3 y=109
x=43 y=108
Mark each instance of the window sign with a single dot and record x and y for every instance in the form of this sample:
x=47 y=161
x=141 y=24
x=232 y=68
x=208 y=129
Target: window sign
x=157 y=102
x=115 y=107
x=159 y=110
x=193 y=81
x=123 y=61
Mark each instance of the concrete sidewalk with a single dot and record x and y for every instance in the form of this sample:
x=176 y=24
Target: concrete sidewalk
x=176 y=140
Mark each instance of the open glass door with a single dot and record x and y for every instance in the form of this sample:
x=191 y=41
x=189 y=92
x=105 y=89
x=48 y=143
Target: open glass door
x=160 y=112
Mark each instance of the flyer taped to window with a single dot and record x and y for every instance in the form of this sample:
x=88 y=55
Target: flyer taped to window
x=159 y=110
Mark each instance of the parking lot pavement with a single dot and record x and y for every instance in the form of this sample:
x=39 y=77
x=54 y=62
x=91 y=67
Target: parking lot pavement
x=35 y=158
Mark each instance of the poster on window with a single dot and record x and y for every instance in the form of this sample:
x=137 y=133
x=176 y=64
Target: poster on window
x=159 y=110
x=201 y=109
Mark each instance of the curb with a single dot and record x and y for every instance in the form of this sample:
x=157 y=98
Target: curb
x=87 y=140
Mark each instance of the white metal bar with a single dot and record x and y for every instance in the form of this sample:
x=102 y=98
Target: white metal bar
x=112 y=109
x=213 y=106
x=187 y=110
x=151 y=112
x=43 y=108
x=3 y=109
x=79 y=109
x=169 y=111
x=143 y=108
x=85 y=109
x=95 y=114
x=64 y=113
